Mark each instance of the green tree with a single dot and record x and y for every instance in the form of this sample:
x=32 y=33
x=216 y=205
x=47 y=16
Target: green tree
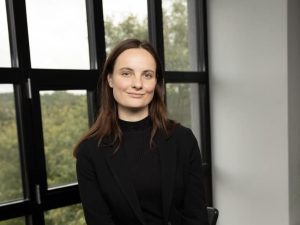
x=175 y=36
x=179 y=103
x=15 y=221
x=11 y=189
x=130 y=27
x=64 y=118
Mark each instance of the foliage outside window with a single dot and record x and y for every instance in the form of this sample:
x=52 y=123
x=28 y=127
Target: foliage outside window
x=178 y=97
x=64 y=121
x=124 y=21
x=15 y=221
x=175 y=35
x=71 y=215
x=10 y=172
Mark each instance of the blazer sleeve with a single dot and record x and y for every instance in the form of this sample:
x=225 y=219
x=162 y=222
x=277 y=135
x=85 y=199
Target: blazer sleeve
x=194 y=206
x=96 y=210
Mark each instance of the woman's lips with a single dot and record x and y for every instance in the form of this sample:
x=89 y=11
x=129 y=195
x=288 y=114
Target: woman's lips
x=135 y=95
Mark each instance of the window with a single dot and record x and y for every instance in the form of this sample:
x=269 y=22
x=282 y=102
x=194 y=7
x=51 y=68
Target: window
x=17 y=221
x=184 y=96
x=128 y=20
x=51 y=56
x=176 y=35
x=4 y=39
x=58 y=34
x=10 y=176
x=70 y=215
x=65 y=119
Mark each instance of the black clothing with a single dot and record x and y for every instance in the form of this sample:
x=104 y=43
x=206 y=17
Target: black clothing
x=111 y=195
x=144 y=168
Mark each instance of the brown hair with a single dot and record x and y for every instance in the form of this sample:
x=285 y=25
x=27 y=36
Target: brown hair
x=106 y=124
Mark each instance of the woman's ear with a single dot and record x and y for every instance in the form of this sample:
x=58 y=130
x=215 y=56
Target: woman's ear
x=109 y=80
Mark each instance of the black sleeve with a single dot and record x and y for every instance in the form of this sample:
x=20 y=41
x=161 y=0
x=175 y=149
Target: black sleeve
x=194 y=209
x=95 y=208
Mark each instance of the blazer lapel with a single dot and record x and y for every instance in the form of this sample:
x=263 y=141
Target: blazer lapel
x=118 y=165
x=167 y=151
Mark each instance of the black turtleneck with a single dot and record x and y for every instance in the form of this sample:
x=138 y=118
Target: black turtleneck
x=144 y=167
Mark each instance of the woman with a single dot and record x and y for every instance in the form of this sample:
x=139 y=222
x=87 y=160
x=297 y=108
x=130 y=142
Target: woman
x=135 y=166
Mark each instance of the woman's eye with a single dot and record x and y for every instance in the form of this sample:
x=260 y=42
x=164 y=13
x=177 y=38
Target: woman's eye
x=125 y=74
x=148 y=75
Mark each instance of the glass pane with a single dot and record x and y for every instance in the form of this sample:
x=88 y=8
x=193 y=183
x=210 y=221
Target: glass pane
x=10 y=173
x=178 y=41
x=183 y=105
x=124 y=19
x=65 y=119
x=58 y=34
x=71 y=215
x=16 y=221
x=5 y=60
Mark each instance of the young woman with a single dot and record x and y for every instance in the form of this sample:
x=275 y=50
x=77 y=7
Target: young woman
x=135 y=166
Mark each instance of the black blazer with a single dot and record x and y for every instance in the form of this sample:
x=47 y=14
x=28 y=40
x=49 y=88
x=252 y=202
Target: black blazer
x=108 y=198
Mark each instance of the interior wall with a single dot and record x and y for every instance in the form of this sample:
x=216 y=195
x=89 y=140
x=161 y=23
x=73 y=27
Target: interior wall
x=249 y=110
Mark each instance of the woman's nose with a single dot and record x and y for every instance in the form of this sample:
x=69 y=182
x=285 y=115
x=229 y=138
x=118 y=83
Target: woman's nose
x=137 y=82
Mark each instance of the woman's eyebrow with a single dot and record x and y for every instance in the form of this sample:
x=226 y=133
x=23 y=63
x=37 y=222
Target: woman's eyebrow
x=132 y=70
x=126 y=68
x=145 y=71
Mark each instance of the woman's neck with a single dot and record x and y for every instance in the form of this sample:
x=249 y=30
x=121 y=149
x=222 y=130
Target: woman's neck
x=132 y=115
x=141 y=125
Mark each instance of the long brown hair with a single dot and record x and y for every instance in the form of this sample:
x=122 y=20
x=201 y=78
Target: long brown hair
x=106 y=124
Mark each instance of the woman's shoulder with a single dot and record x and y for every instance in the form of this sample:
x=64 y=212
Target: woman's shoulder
x=184 y=139
x=181 y=131
x=87 y=146
x=181 y=135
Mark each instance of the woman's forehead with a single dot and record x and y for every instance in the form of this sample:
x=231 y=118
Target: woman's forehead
x=135 y=57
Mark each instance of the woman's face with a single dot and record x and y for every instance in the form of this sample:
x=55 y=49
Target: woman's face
x=133 y=82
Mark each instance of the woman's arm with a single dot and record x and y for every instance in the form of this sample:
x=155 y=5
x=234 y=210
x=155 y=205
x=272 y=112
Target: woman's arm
x=194 y=208
x=95 y=208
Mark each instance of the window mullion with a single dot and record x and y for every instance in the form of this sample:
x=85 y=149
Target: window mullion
x=20 y=34
x=95 y=33
x=155 y=27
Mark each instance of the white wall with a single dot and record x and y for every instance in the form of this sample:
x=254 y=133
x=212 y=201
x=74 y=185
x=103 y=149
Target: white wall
x=294 y=108
x=249 y=110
